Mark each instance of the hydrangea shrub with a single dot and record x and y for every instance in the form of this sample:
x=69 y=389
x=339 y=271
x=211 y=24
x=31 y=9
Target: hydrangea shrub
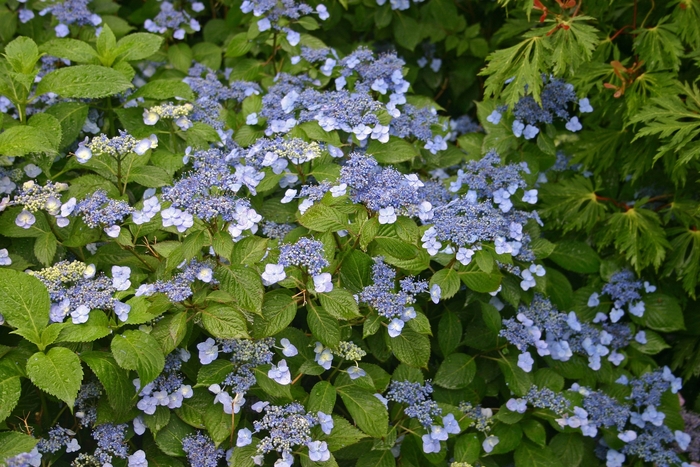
x=360 y=233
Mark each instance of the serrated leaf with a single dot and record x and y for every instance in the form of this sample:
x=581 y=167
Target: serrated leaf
x=521 y=64
x=456 y=371
x=22 y=54
x=322 y=218
x=367 y=411
x=10 y=391
x=24 y=302
x=21 y=140
x=321 y=398
x=448 y=281
x=57 y=372
x=637 y=233
x=138 y=46
x=136 y=350
x=14 y=442
x=244 y=284
x=71 y=49
x=169 y=439
x=83 y=81
x=324 y=327
x=340 y=303
x=120 y=390
x=411 y=348
x=96 y=327
x=224 y=322
x=278 y=310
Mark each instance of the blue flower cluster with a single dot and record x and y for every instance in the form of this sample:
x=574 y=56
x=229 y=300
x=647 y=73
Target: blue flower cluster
x=556 y=100
x=179 y=287
x=289 y=426
x=201 y=450
x=75 y=289
x=623 y=289
x=388 y=303
x=168 y=389
x=560 y=335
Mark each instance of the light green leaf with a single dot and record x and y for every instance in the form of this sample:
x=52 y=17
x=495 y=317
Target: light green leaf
x=576 y=256
x=10 y=390
x=162 y=89
x=120 y=390
x=71 y=49
x=96 y=327
x=22 y=53
x=57 y=372
x=45 y=248
x=278 y=310
x=395 y=151
x=170 y=331
x=21 y=140
x=14 y=442
x=340 y=303
x=244 y=285
x=218 y=423
x=83 y=81
x=411 y=348
x=448 y=281
x=138 y=46
x=24 y=302
x=224 y=322
x=71 y=116
x=324 y=327
x=369 y=413
x=456 y=372
x=322 y=218
x=136 y=350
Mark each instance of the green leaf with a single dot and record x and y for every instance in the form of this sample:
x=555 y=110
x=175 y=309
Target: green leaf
x=340 y=303
x=22 y=54
x=568 y=447
x=637 y=233
x=478 y=280
x=244 y=285
x=224 y=322
x=10 y=390
x=572 y=45
x=71 y=49
x=395 y=151
x=214 y=373
x=535 y=431
x=322 y=218
x=659 y=46
x=83 y=81
x=662 y=313
x=448 y=281
x=675 y=119
x=115 y=380
x=170 y=331
x=467 y=448
x=57 y=372
x=169 y=439
x=71 y=116
x=449 y=332
x=509 y=436
x=14 y=442
x=517 y=380
x=136 y=350
x=278 y=310
x=239 y=45
x=21 y=140
x=411 y=348
x=383 y=458
x=138 y=46
x=218 y=423
x=531 y=455
x=407 y=31
x=521 y=64
x=96 y=327
x=343 y=434
x=576 y=256
x=367 y=411
x=243 y=456
x=324 y=327
x=321 y=398
x=150 y=176
x=249 y=251
x=162 y=89
x=456 y=372
x=45 y=248
x=25 y=304
x=106 y=45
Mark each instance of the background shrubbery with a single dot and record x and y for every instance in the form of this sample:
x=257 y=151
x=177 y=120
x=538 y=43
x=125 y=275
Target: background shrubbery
x=356 y=234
